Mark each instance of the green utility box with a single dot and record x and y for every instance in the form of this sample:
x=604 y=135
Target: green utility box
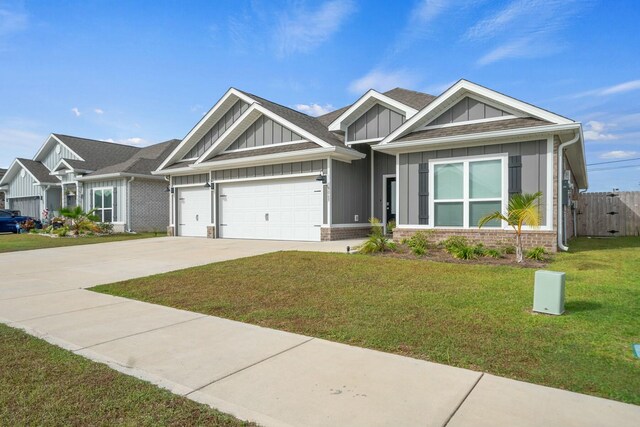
x=548 y=292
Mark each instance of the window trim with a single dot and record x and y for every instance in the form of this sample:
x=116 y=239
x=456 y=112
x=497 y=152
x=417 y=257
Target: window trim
x=93 y=202
x=466 y=201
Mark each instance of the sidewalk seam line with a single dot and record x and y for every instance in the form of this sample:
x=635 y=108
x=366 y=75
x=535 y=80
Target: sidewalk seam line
x=139 y=333
x=42 y=294
x=249 y=366
x=464 y=399
x=67 y=312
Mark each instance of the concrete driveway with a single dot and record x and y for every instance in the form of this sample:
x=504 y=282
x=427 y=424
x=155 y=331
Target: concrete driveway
x=272 y=377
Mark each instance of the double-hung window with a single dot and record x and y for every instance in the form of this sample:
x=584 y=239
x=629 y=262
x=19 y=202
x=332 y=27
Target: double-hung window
x=465 y=190
x=103 y=204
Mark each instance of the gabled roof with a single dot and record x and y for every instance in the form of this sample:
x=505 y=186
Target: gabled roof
x=96 y=154
x=142 y=162
x=458 y=91
x=38 y=171
x=396 y=102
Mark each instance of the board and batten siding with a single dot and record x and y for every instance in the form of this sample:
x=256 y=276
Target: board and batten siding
x=263 y=131
x=217 y=129
x=24 y=186
x=120 y=198
x=200 y=178
x=383 y=164
x=308 y=166
x=467 y=109
x=52 y=158
x=377 y=122
x=351 y=189
x=534 y=172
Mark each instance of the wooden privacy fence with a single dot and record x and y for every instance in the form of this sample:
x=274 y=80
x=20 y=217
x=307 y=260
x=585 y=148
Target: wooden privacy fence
x=609 y=214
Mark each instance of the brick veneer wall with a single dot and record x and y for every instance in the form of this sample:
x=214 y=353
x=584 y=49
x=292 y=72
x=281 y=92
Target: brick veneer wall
x=491 y=238
x=171 y=231
x=1 y=199
x=149 y=205
x=211 y=232
x=344 y=233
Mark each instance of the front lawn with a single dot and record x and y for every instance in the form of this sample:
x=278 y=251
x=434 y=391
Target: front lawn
x=42 y=384
x=472 y=316
x=26 y=242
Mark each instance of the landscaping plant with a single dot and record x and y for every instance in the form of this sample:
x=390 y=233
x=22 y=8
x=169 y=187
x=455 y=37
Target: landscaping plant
x=418 y=243
x=79 y=220
x=538 y=253
x=522 y=210
x=377 y=241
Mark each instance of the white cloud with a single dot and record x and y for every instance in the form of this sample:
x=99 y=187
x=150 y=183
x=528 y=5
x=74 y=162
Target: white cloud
x=596 y=132
x=128 y=141
x=75 y=111
x=618 y=154
x=314 y=109
x=12 y=21
x=303 y=30
x=98 y=111
x=419 y=23
x=620 y=88
x=383 y=80
x=524 y=29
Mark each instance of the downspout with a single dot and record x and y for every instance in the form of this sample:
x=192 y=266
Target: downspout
x=129 y=203
x=561 y=222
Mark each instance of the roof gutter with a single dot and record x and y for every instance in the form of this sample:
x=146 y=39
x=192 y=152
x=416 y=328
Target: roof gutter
x=407 y=146
x=560 y=179
x=115 y=175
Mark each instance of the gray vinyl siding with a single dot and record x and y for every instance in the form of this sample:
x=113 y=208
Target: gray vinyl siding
x=465 y=110
x=264 y=131
x=52 y=158
x=200 y=178
x=54 y=200
x=377 y=122
x=351 y=189
x=383 y=164
x=271 y=170
x=534 y=172
x=120 y=187
x=24 y=186
x=217 y=129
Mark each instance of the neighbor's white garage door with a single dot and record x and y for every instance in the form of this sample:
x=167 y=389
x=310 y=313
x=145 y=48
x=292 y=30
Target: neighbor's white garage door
x=194 y=211
x=279 y=209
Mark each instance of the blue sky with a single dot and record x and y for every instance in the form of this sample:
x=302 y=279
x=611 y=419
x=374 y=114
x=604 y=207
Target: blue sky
x=143 y=72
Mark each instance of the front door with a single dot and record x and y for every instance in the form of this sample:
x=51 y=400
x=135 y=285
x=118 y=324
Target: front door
x=390 y=200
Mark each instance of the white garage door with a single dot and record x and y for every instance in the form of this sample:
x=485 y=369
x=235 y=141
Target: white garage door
x=280 y=209
x=194 y=211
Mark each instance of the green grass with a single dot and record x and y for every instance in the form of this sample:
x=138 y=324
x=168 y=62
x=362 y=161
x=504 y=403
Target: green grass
x=42 y=384
x=26 y=242
x=472 y=316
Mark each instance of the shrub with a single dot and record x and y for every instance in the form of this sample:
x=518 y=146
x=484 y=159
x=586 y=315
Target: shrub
x=538 y=253
x=105 y=227
x=418 y=243
x=391 y=225
x=479 y=250
x=464 y=252
x=493 y=253
x=61 y=231
x=510 y=250
x=453 y=243
x=28 y=225
x=377 y=241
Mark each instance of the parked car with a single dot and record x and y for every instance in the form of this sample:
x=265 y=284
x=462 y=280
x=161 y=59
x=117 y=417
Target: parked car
x=9 y=221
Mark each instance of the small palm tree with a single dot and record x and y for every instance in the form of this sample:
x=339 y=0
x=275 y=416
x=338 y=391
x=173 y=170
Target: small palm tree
x=522 y=209
x=78 y=218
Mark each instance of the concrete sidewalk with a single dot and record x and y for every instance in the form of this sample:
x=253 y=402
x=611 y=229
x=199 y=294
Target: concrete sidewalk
x=272 y=377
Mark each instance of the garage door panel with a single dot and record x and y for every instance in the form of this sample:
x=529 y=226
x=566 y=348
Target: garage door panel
x=194 y=211
x=294 y=208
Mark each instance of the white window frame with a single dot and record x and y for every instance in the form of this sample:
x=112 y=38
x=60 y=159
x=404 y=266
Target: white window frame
x=503 y=157
x=93 y=202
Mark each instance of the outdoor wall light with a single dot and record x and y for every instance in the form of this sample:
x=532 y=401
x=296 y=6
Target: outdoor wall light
x=210 y=185
x=322 y=178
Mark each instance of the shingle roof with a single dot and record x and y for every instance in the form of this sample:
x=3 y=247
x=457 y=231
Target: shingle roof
x=416 y=100
x=38 y=170
x=2 y=172
x=142 y=162
x=308 y=123
x=507 y=124
x=97 y=154
x=277 y=148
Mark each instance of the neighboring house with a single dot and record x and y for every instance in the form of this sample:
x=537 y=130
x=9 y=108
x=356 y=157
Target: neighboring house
x=254 y=169
x=2 y=172
x=114 y=179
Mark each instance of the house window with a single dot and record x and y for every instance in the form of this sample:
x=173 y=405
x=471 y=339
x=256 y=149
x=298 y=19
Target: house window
x=465 y=190
x=103 y=204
